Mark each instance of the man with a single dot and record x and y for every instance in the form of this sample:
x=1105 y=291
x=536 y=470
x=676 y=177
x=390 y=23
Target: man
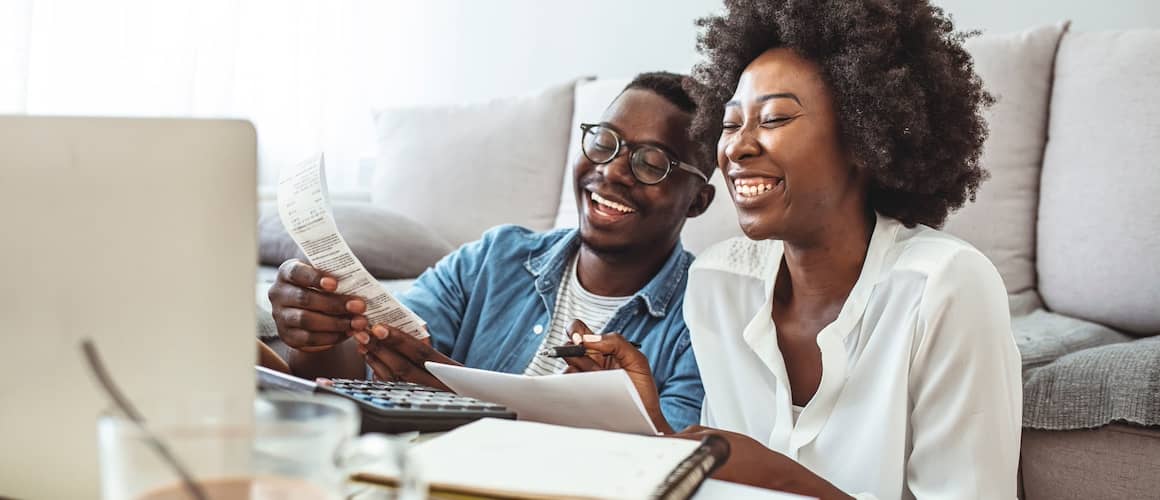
x=494 y=304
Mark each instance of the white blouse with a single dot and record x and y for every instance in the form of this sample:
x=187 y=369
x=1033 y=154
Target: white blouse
x=921 y=392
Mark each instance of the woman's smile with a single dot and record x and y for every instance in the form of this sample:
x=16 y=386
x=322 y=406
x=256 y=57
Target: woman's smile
x=751 y=191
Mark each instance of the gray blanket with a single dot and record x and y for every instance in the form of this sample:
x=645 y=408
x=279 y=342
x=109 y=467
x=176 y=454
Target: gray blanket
x=1094 y=387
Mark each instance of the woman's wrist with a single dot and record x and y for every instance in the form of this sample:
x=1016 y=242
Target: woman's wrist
x=661 y=423
x=805 y=482
x=753 y=464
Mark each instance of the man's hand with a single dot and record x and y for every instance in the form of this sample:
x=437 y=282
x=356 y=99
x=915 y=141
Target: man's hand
x=752 y=463
x=394 y=355
x=309 y=315
x=613 y=352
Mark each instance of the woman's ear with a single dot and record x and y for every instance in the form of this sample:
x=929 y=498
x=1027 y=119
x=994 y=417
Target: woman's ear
x=858 y=168
x=701 y=200
x=857 y=164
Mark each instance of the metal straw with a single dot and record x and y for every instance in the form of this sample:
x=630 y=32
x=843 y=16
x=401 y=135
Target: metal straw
x=106 y=382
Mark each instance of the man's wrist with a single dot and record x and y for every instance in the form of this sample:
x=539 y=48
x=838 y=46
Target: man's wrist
x=340 y=361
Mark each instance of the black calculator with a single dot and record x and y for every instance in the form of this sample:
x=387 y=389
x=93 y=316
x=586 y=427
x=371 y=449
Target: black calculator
x=394 y=407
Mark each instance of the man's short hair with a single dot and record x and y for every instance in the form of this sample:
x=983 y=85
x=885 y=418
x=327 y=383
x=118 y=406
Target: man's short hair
x=674 y=88
x=670 y=86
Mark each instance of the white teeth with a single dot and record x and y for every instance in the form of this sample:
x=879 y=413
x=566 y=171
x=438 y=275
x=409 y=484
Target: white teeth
x=748 y=188
x=611 y=204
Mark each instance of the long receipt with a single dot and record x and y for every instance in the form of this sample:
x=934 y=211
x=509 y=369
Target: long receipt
x=304 y=207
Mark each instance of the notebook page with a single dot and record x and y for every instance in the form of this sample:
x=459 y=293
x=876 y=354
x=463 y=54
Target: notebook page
x=539 y=459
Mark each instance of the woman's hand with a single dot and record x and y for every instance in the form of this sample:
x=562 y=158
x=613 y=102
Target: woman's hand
x=610 y=352
x=750 y=462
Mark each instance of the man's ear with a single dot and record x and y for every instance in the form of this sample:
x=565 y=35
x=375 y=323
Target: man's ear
x=701 y=200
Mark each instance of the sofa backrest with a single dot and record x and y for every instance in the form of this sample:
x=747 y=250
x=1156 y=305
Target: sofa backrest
x=461 y=170
x=1099 y=219
x=1016 y=70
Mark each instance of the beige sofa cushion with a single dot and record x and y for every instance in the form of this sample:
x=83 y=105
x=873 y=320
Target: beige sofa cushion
x=589 y=100
x=1116 y=461
x=719 y=223
x=1016 y=68
x=463 y=169
x=1099 y=219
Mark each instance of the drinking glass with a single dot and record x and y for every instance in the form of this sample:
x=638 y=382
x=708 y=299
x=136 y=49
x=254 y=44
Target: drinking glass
x=295 y=447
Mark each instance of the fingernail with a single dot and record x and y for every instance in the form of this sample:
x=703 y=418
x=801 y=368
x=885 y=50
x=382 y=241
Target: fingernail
x=355 y=306
x=328 y=283
x=380 y=331
x=362 y=337
x=591 y=338
x=359 y=323
x=576 y=338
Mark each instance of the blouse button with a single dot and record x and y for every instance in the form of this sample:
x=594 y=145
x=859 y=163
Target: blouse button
x=537 y=329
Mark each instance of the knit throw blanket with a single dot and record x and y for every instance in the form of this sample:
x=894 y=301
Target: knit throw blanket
x=1094 y=387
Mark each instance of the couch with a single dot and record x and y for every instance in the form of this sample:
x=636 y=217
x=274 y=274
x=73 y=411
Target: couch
x=1069 y=217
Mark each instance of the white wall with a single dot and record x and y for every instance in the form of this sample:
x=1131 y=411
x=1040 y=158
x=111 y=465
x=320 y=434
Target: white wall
x=308 y=72
x=463 y=50
x=453 y=51
x=460 y=50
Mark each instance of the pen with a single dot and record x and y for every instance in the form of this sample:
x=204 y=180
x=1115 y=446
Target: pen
x=572 y=351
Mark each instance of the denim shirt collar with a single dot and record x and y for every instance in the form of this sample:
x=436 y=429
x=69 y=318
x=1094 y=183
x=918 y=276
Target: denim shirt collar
x=549 y=265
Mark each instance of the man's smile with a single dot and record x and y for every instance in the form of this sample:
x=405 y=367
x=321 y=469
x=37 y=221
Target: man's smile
x=603 y=202
x=606 y=208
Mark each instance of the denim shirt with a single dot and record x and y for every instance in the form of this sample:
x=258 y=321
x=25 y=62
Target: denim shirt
x=488 y=305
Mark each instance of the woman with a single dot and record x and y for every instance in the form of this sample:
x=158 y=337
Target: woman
x=846 y=347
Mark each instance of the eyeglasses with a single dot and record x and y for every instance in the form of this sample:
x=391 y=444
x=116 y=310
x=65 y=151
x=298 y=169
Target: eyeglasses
x=649 y=164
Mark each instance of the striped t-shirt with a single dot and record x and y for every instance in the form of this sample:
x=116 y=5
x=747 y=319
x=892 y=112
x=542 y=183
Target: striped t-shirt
x=573 y=302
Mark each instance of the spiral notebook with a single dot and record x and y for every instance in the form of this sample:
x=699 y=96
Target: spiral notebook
x=526 y=460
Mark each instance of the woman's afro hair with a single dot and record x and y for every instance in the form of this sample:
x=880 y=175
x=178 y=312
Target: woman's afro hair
x=908 y=100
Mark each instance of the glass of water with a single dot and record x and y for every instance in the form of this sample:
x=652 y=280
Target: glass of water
x=295 y=447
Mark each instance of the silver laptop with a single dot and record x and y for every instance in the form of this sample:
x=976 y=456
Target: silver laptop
x=139 y=234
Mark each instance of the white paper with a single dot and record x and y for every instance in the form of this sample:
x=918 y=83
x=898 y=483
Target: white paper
x=713 y=489
x=604 y=400
x=304 y=206
x=550 y=461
